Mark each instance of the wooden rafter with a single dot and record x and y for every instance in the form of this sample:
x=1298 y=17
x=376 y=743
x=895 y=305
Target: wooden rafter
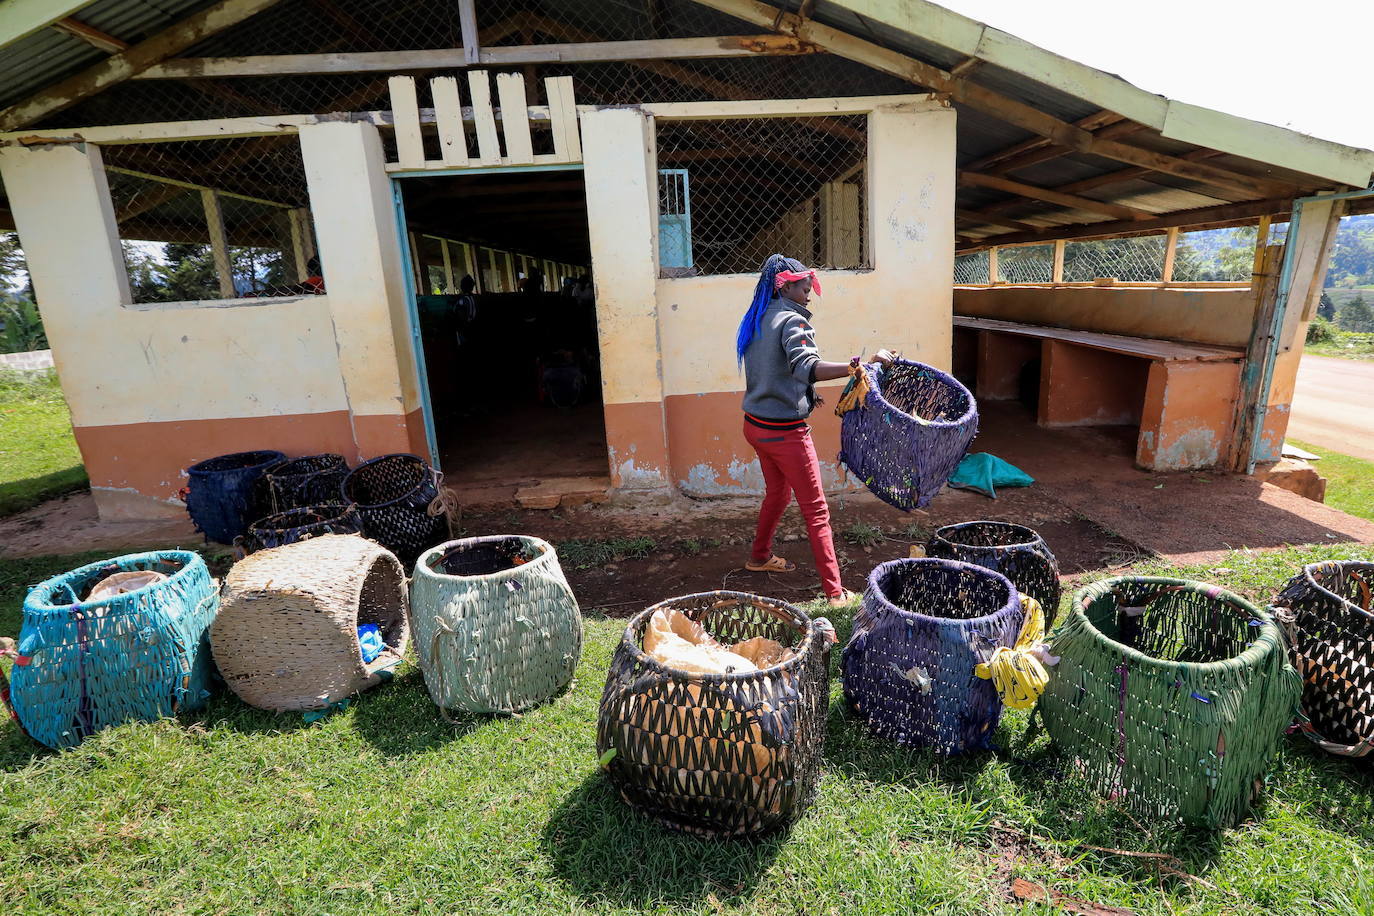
x=973 y=216
x=91 y=35
x=1050 y=151
x=993 y=161
x=966 y=92
x=1200 y=218
x=1049 y=195
x=137 y=58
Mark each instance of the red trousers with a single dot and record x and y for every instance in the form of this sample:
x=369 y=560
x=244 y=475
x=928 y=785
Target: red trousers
x=788 y=459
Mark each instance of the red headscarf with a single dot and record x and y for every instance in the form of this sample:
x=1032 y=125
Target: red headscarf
x=784 y=277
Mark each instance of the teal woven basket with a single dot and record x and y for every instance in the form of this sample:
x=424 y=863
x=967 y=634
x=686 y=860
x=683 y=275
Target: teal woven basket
x=138 y=656
x=496 y=626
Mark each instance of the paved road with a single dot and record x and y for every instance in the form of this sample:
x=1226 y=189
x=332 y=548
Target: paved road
x=1333 y=406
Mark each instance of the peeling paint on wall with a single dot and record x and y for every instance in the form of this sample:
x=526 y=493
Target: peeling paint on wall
x=1197 y=448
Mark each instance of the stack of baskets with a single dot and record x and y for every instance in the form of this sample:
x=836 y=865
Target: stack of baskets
x=305 y=482
x=84 y=664
x=718 y=755
x=400 y=501
x=909 y=667
x=497 y=627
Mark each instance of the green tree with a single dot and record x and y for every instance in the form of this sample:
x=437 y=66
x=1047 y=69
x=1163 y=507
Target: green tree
x=1356 y=315
x=1326 y=308
x=21 y=327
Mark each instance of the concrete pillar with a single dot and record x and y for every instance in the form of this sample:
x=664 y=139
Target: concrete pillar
x=360 y=252
x=618 y=156
x=1187 y=420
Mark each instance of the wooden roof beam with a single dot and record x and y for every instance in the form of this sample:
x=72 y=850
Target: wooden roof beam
x=1091 y=122
x=979 y=219
x=137 y=58
x=91 y=35
x=965 y=92
x=1200 y=218
x=1049 y=195
x=1035 y=157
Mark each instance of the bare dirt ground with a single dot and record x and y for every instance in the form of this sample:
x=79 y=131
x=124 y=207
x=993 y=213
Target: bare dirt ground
x=1333 y=405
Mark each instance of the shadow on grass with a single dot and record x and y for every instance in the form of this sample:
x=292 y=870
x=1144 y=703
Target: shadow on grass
x=850 y=746
x=606 y=851
x=18 y=495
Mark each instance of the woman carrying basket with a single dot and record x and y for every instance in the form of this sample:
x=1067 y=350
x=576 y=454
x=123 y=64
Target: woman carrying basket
x=776 y=345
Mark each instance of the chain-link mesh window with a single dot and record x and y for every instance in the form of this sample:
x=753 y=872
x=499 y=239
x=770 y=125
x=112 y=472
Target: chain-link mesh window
x=1129 y=260
x=971 y=268
x=1026 y=264
x=732 y=192
x=1216 y=255
x=214 y=219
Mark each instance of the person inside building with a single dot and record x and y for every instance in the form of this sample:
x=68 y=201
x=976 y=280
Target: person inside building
x=776 y=345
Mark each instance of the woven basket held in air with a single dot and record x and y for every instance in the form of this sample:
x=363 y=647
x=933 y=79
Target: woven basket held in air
x=1015 y=551
x=1327 y=611
x=286 y=637
x=908 y=434
x=719 y=755
x=138 y=656
x=299 y=524
x=398 y=499
x=310 y=481
x=924 y=626
x=497 y=628
x=1171 y=696
x=223 y=494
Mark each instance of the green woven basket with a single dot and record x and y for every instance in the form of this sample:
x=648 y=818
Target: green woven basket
x=1171 y=696
x=497 y=628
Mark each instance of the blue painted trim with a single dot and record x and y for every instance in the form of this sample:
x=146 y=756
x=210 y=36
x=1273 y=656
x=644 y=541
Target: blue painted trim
x=488 y=170
x=1271 y=342
x=413 y=310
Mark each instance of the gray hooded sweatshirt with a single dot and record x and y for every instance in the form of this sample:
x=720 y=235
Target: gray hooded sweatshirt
x=780 y=363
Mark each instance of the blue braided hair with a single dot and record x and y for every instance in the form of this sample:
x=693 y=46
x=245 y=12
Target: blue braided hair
x=764 y=291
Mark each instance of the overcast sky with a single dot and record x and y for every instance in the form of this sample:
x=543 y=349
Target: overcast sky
x=1306 y=65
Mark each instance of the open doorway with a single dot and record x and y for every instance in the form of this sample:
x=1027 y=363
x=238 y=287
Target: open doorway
x=507 y=319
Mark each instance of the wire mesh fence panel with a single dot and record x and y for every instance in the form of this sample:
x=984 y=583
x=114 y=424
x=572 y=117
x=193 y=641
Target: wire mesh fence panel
x=1216 y=255
x=736 y=191
x=971 y=268
x=214 y=219
x=1026 y=264
x=1130 y=260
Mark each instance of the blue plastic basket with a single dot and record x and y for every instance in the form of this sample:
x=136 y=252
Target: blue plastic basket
x=223 y=495
x=139 y=656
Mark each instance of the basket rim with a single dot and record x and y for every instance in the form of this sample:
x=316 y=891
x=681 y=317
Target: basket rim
x=886 y=603
x=343 y=484
x=275 y=458
x=284 y=469
x=338 y=512
x=548 y=554
x=1348 y=605
x=39 y=592
x=630 y=643
x=1270 y=637
x=943 y=533
x=875 y=392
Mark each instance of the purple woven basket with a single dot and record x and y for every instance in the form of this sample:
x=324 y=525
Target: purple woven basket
x=908 y=668
x=910 y=432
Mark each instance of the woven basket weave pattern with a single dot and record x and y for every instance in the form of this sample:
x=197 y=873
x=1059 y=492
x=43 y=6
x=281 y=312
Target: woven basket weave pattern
x=909 y=434
x=396 y=497
x=1331 y=639
x=1015 y=551
x=301 y=482
x=299 y=524
x=718 y=755
x=286 y=637
x=1172 y=695
x=909 y=666
x=132 y=657
x=224 y=493
x=497 y=627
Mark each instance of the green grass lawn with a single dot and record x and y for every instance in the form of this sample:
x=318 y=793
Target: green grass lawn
x=386 y=808
x=1349 y=481
x=1346 y=344
x=38 y=454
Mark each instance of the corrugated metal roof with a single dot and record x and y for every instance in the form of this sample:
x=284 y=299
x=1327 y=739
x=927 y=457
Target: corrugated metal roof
x=47 y=56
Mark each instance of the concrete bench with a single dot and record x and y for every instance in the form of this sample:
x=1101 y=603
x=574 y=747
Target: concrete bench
x=1182 y=396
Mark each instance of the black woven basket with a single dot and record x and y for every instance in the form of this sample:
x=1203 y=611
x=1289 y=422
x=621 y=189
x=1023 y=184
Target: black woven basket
x=1015 y=551
x=302 y=482
x=722 y=755
x=1327 y=612
x=222 y=496
x=398 y=499
x=300 y=524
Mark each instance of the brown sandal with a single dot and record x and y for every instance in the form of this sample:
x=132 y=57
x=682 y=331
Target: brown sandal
x=772 y=564
x=843 y=599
